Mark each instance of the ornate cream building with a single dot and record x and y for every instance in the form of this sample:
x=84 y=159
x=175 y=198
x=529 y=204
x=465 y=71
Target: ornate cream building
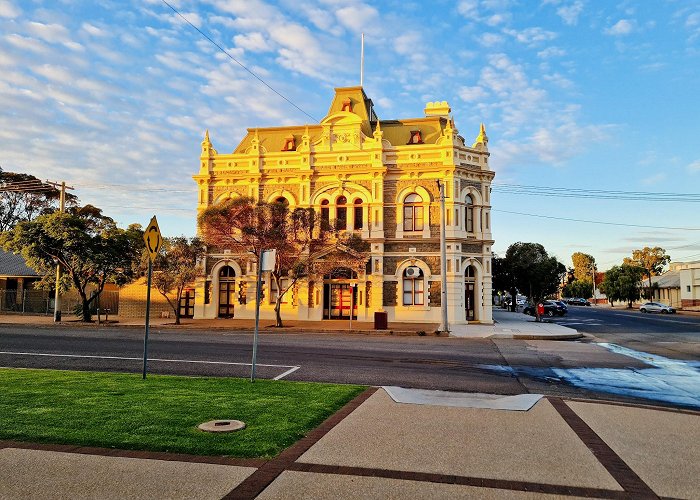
x=374 y=177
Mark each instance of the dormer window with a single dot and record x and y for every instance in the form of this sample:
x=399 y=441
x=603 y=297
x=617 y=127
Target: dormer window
x=347 y=105
x=289 y=144
x=416 y=137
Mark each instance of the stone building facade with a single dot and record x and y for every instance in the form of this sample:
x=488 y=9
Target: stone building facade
x=378 y=178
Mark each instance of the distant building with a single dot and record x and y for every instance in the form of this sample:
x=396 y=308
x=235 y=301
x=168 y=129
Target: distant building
x=16 y=278
x=666 y=287
x=689 y=273
x=377 y=178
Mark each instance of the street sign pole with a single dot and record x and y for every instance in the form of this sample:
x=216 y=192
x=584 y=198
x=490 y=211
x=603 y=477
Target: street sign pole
x=148 y=317
x=258 y=286
x=153 y=240
x=266 y=262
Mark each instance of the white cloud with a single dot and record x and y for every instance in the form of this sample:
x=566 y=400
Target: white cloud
x=694 y=167
x=254 y=42
x=8 y=9
x=620 y=28
x=531 y=36
x=490 y=39
x=654 y=179
x=559 y=80
x=469 y=9
x=551 y=52
x=570 y=13
x=94 y=30
x=470 y=94
x=359 y=18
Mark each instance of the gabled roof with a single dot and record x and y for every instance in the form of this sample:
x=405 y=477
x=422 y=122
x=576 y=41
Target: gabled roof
x=12 y=266
x=670 y=279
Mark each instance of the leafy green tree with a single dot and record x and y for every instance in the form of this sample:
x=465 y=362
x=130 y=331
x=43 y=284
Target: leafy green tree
x=24 y=197
x=579 y=288
x=583 y=266
x=176 y=266
x=652 y=260
x=623 y=283
x=90 y=247
x=534 y=271
x=502 y=279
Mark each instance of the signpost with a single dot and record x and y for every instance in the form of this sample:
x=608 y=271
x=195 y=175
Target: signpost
x=266 y=262
x=154 y=241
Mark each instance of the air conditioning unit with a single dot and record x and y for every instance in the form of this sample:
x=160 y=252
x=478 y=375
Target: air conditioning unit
x=412 y=272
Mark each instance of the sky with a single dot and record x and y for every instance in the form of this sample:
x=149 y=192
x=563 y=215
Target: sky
x=579 y=98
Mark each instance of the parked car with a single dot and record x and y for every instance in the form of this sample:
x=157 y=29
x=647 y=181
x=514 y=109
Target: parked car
x=656 y=307
x=551 y=308
x=561 y=303
x=578 y=301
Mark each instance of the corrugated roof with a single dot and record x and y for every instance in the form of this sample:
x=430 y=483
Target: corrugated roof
x=12 y=265
x=670 y=279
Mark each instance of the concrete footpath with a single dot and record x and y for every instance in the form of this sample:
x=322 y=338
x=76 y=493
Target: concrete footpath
x=506 y=325
x=375 y=447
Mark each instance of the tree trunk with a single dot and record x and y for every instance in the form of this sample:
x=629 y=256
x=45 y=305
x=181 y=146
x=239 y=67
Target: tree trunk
x=87 y=317
x=278 y=314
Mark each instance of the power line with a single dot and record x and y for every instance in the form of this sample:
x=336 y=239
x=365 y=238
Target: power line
x=237 y=61
x=552 y=191
x=598 y=222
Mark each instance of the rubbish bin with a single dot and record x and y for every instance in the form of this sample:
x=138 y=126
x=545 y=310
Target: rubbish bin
x=381 y=320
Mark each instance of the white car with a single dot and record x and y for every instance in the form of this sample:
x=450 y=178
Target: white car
x=656 y=307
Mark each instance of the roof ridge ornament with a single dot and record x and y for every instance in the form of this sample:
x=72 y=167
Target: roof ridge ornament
x=482 y=138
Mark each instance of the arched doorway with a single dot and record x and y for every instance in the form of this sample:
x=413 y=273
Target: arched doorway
x=339 y=297
x=227 y=291
x=469 y=293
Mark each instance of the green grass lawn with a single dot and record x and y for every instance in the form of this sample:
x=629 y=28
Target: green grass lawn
x=119 y=410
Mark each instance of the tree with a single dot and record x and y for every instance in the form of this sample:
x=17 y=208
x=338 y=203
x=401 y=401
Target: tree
x=652 y=260
x=90 y=247
x=534 y=271
x=622 y=283
x=503 y=280
x=299 y=238
x=177 y=265
x=23 y=197
x=579 y=288
x=584 y=265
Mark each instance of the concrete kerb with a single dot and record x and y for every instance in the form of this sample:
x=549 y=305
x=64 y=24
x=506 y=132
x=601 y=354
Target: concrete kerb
x=509 y=325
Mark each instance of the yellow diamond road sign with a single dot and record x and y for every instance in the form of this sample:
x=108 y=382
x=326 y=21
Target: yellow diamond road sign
x=153 y=238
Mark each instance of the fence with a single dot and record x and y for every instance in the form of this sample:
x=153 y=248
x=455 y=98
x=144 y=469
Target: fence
x=42 y=302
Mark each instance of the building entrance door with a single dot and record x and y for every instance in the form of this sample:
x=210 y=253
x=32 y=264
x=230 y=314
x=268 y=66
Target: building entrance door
x=187 y=303
x=341 y=301
x=469 y=301
x=469 y=287
x=227 y=292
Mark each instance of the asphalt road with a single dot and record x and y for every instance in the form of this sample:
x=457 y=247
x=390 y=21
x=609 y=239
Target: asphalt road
x=498 y=366
x=671 y=335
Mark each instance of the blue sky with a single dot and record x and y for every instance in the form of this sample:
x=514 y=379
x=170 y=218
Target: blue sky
x=114 y=97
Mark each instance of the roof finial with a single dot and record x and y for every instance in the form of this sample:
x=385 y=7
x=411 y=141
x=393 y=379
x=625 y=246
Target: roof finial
x=482 y=137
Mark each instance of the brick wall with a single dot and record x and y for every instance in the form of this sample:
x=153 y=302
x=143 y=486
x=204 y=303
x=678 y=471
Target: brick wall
x=132 y=301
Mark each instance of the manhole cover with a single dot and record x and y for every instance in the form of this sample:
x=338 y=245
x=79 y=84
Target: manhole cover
x=222 y=426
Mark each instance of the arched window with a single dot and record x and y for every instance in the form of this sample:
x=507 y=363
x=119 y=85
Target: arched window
x=413 y=286
x=341 y=213
x=282 y=201
x=325 y=214
x=413 y=213
x=469 y=214
x=357 y=222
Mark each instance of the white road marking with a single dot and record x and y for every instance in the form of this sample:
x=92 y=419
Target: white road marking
x=124 y=358
x=288 y=372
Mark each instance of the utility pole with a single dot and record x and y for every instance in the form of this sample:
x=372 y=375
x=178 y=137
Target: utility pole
x=593 y=270
x=62 y=209
x=444 y=327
